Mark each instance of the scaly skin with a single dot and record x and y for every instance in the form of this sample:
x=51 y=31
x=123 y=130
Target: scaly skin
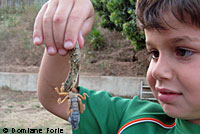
x=75 y=58
x=69 y=84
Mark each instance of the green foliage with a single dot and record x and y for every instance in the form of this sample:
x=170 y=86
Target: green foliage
x=8 y=17
x=5 y=87
x=120 y=15
x=96 y=39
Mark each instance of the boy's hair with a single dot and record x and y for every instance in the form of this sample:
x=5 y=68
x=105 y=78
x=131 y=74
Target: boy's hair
x=150 y=12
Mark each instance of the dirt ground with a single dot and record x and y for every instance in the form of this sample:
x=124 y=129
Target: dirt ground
x=22 y=110
x=115 y=60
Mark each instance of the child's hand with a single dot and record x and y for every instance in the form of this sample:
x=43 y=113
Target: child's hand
x=60 y=23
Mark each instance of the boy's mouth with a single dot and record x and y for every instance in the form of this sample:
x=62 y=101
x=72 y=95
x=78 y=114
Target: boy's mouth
x=166 y=95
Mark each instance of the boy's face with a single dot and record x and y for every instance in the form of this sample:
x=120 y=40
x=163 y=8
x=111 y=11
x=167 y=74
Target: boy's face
x=174 y=71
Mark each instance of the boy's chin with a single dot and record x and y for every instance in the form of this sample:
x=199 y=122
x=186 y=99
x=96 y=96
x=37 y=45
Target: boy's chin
x=169 y=111
x=174 y=112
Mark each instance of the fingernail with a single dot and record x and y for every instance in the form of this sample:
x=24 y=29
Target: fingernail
x=51 y=50
x=37 y=40
x=62 y=52
x=68 y=45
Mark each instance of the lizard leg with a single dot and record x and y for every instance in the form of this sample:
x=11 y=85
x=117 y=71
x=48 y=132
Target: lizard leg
x=62 y=88
x=61 y=93
x=81 y=106
x=83 y=97
x=62 y=101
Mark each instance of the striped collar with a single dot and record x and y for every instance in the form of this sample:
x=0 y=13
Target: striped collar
x=145 y=119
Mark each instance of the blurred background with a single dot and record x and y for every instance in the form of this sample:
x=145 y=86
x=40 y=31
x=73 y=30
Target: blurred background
x=114 y=47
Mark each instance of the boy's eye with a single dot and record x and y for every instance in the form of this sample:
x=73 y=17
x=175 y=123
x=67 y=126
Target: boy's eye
x=154 y=54
x=183 y=52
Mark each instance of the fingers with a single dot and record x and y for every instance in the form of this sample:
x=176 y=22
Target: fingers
x=80 y=40
x=82 y=10
x=60 y=22
x=37 y=31
x=48 y=27
x=86 y=28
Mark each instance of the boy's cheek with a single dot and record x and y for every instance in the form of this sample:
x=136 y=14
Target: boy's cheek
x=151 y=82
x=150 y=78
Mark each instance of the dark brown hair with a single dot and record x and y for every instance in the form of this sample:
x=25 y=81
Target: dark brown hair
x=150 y=12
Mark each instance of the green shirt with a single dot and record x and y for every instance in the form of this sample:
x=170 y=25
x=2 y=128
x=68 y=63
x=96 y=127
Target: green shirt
x=105 y=114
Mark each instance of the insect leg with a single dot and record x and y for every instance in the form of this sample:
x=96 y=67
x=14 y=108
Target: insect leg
x=62 y=101
x=83 y=97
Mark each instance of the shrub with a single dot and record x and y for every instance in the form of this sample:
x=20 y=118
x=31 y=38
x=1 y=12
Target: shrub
x=120 y=15
x=96 y=39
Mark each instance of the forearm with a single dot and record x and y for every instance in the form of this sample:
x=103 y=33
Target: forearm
x=53 y=72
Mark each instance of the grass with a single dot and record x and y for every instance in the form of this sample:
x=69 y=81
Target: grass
x=5 y=87
x=16 y=28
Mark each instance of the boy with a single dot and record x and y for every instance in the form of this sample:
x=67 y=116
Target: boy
x=172 y=30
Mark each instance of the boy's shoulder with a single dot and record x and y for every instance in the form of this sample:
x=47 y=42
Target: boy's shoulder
x=115 y=114
x=138 y=107
x=142 y=114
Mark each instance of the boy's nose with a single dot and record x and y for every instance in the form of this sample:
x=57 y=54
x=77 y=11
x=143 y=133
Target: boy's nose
x=162 y=69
